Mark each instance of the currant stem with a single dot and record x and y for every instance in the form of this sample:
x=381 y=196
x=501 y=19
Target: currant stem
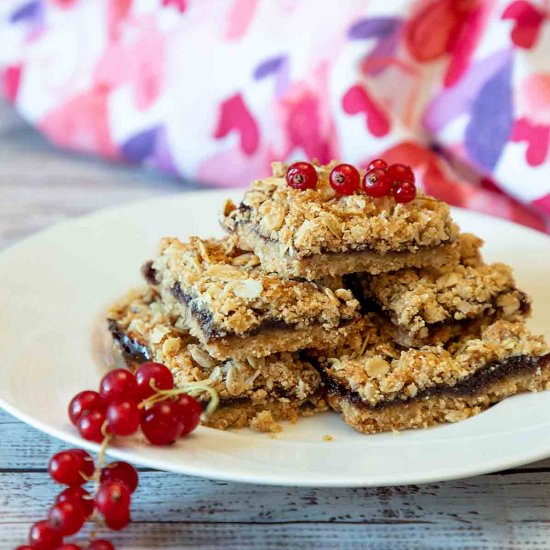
x=193 y=388
x=97 y=475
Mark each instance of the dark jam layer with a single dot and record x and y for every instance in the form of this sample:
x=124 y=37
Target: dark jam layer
x=210 y=330
x=493 y=372
x=133 y=349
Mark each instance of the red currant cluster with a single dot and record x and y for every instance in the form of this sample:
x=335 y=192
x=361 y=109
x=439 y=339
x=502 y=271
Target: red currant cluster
x=124 y=403
x=75 y=505
x=380 y=180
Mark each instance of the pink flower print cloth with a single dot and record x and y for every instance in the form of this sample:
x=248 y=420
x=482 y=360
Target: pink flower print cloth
x=215 y=90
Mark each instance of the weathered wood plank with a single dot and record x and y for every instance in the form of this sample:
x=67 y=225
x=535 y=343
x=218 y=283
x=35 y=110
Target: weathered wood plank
x=167 y=497
x=235 y=536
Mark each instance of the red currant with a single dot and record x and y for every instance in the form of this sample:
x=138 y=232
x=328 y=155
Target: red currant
x=190 y=411
x=118 y=523
x=71 y=468
x=113 y=501
x=43 y=537
x=123 y=417
x=24 y=547
x=344 y=179
x=77 y=495
x=404 y=192
x=153 y=372
x=88 y=465
x=120 y=471
x=399 y=172
x=84 y=402
x=162 y=423
x=69 y=547
x=302 y=176
x=90 y=426
x=376 y=183
x=377 y=164
x=117 y=385
x=66 y=517
x=101 y=544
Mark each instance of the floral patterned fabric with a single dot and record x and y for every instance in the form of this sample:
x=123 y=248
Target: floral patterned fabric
x=214 y=90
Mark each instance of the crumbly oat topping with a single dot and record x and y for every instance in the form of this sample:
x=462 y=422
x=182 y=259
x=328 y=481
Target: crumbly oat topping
x=224 y=284
x=383 y=372
x=418 y=298
x=142 y=315
x=318 y=220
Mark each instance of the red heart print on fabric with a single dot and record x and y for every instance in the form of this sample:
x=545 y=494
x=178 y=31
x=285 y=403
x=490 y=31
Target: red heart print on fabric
x=235 y=117
x=356 y=100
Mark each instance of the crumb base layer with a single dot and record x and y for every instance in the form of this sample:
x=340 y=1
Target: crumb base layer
x=269 y=341
x=442 y=407
x=335 y=264
x=264 y=415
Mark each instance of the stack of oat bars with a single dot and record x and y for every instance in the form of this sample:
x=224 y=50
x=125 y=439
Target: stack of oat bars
x=373 y=306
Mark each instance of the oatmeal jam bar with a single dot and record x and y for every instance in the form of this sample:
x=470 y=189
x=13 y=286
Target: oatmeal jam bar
x=256 y=392
x=379 y=386
x=430 y=305
x=315 y=233
x=237 y=310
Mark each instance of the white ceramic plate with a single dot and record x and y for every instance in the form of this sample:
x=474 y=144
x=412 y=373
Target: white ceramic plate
x=55 y=285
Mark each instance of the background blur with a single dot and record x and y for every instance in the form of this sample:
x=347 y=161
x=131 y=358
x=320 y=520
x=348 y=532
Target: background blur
x=213 y=91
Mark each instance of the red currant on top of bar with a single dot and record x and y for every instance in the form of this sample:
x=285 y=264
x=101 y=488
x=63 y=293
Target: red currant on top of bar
x=376 y=183
x=302 y=176
x=344 y=179
x=404 y=192
x=377 y=164
x=399 y=172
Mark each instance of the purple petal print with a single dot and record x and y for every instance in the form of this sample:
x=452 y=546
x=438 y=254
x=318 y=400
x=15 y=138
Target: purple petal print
x=454 y=101
x=283 y=78
x=163 y=156
x=140 y=146
x=372 y=28
x=491 y=120
x=27 y=11
x=385 y=49
x=268 y=67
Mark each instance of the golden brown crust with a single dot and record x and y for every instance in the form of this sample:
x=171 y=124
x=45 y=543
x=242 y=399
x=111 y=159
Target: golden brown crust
x=319 y=266
x=438 y=409
x=420 y=302
x=223 y=289
x=381 y=372
x=279 y=383
x=265 y=416
x=318 y=221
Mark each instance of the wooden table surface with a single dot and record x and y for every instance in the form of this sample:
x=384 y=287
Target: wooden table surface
x=40 y=186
